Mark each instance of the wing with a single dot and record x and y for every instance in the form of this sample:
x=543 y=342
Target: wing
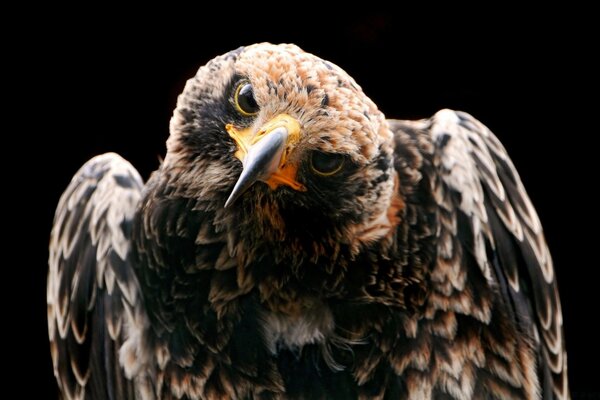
x=90 y=279
x=507 y=240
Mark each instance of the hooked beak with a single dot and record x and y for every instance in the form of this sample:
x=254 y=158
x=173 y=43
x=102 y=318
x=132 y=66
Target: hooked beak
x=264 y=155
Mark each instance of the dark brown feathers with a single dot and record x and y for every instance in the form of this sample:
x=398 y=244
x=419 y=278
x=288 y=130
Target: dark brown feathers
x=90 y=280
x=416 y=268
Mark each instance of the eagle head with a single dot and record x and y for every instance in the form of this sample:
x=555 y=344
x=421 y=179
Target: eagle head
x=287 y=148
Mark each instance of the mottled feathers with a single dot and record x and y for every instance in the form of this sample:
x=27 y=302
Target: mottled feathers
x=90 y=282
x=417 y=269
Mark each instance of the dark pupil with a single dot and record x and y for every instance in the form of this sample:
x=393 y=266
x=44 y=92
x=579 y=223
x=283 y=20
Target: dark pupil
x=325 y=163
x=246 y=99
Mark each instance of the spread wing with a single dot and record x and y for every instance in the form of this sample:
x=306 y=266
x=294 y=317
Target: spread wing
x=90 y=279
x=507 y=240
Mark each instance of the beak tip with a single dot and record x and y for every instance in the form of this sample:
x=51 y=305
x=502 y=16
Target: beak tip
x=231 y=199
x=239 y=188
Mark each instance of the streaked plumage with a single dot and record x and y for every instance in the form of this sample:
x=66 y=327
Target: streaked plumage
x=376 y=258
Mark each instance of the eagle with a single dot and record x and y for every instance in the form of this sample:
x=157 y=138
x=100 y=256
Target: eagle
x=296 y=244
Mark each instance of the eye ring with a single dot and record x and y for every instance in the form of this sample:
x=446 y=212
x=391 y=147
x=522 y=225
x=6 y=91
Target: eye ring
x=326 y=164
x=244 y=100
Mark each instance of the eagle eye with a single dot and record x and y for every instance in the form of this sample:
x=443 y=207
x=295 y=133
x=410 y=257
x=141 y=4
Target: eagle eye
x=244 y=100
x=326 y=164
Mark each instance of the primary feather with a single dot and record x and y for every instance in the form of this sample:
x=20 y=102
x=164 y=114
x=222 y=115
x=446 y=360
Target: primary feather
x=416 y=268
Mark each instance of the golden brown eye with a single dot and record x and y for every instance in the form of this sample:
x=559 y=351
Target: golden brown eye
x=326 y=164
x=244 y=100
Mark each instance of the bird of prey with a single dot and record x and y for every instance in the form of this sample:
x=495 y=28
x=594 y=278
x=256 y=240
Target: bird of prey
x=296 y=244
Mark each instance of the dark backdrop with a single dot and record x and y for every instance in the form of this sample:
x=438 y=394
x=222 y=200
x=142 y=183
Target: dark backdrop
x=101 y=82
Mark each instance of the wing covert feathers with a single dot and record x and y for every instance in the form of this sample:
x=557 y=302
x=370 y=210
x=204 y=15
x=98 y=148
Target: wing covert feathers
x=476 y=184
x=90 y=279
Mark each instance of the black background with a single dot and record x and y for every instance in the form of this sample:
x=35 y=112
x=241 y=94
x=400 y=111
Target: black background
x=103 y=81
